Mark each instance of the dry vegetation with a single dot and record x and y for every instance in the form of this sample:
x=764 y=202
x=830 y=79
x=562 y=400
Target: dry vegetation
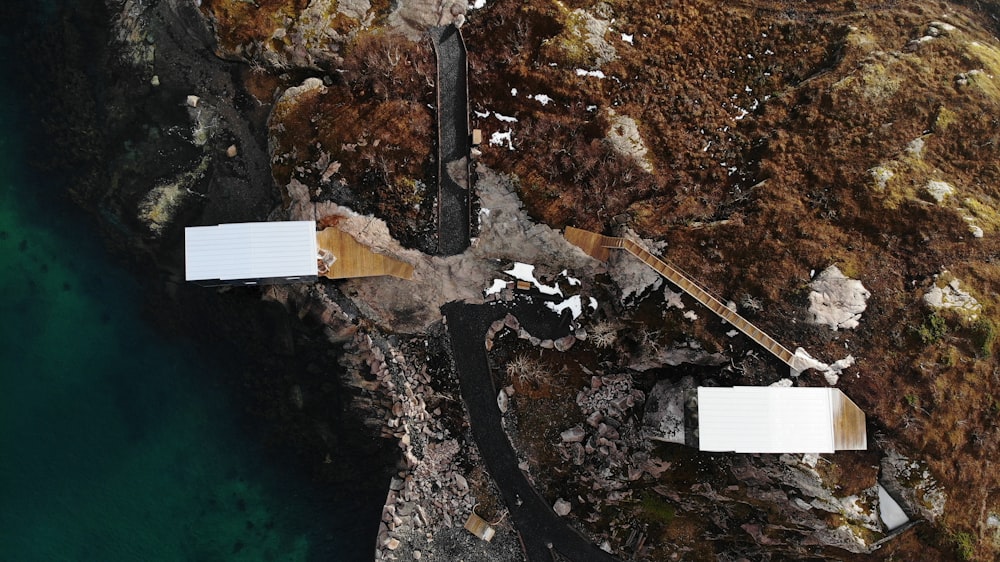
x=768 y=127
x=367 y=141
x=832 y=91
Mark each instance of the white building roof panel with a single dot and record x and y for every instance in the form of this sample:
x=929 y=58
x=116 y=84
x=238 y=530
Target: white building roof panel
x=258 y=250
x=766 y=419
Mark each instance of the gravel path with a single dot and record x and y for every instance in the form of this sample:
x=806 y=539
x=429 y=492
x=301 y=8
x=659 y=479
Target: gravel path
x=453 y=141
x=542 y=531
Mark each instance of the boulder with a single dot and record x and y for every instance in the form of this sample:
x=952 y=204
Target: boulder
x=562 y=507
x=837 y=301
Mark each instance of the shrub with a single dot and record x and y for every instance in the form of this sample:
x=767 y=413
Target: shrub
x=965 y=544
x=984 y=336
x=933 y=329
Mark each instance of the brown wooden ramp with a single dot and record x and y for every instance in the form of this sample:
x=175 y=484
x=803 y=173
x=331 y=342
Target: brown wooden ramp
x=354 y=259
x=597 y=246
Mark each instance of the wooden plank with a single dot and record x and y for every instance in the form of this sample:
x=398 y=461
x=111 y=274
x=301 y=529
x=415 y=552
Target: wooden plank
x=849 y=428
x=354 y=259
x=597 y=245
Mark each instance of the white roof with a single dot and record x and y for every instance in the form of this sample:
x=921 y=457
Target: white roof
x=766 y=419
x=250 y=250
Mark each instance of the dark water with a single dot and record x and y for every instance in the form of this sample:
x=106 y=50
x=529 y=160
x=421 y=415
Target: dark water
x=114 y=443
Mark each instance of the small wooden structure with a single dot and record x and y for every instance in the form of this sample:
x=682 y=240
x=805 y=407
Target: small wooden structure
x=342 y=257
x=479 y=527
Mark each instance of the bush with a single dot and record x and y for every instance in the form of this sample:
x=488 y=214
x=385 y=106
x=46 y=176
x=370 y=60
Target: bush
x=965 y=544
x=984 y=336
x=933 y=329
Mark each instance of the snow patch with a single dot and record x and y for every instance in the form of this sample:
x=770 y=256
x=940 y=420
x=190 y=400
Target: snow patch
x=592 y=73
x=498 y=139
x=505 y=118
x=802 y=361
x=889 y=511
x=526 y=272
x=497 y=286
x=574 y=304
x=626 y=37
x=542 y=99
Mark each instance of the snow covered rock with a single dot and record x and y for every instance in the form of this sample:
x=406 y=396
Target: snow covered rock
x=837 y=301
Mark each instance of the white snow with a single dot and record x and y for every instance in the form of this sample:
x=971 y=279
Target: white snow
x=593 y=73
x=505 y=118
x=626 y=37
x=498 y=139
x=672 y=299
x=591 y=108
x=478 y=4
x=593 y=303
x=497 y=286
x=690 y=315
x=526 y=272
x=542 y=99
x=481 y=114
x=890 y=512
x=802 y=361
x=484 y=212
x=574 y=304
x=732 y=333
x=513 y=92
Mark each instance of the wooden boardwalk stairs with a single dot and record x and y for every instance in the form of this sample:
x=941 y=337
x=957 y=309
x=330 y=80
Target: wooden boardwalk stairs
x=598 y=246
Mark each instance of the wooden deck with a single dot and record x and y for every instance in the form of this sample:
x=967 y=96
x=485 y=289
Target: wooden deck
x=598 y=246
x=354 y=259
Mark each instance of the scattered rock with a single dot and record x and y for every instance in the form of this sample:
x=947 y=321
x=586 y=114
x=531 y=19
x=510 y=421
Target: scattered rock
x=939 y=190
x=231 y=151
x=951 y=296
x=573 y=435
x=562 y=507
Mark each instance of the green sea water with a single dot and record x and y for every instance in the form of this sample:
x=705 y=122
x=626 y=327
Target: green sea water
x=116 y=444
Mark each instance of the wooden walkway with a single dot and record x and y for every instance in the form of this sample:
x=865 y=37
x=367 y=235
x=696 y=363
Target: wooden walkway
x=354 y=259
x=598 y=246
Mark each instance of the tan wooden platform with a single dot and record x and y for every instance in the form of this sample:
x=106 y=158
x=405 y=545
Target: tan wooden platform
x=849 y=430
x=598 y=246
x=354 y=259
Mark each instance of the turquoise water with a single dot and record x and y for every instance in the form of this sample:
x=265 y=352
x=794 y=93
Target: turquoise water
x=115 y=444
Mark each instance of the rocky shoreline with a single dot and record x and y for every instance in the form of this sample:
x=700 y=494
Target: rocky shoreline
x=182 y=129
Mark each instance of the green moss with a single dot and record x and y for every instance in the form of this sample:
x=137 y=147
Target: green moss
x=933 y=329
x=965 y=544
x=944 y=119
x=656 y=508
x=987 y=217
x=984 y=336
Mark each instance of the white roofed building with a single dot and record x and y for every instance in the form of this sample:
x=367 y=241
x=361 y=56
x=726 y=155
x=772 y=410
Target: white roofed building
x=767 y=419
x=251 y=253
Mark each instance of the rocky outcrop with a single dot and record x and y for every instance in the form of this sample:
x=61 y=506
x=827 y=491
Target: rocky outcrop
x=836 y=301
